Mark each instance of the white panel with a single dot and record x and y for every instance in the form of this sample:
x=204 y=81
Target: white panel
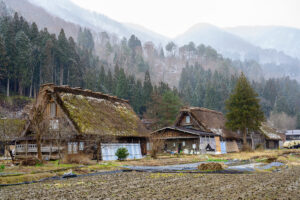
x=109 y=150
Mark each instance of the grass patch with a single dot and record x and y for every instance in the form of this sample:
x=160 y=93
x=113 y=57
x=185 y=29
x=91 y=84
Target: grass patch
x=216 y=160
x=103 y=166
x=24 y=178
x=2 y=167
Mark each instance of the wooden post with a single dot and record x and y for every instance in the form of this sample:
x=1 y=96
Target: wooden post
x=26 y=149
x=50 y=150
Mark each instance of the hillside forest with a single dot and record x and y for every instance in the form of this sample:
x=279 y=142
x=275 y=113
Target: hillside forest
x=31 y=56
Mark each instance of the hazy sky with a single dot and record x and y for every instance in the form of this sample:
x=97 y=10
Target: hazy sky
x=173 y=17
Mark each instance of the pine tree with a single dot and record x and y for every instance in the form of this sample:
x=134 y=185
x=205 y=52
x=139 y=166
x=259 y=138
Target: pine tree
x=122 y=86
x=3 y=61
x=63 y=51
x=169 y=108
x=147 y=87
x=244 y=112
x=23 y=61
x=101 y=80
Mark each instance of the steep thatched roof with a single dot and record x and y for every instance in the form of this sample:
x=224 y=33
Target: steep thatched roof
x=10 y=129
x=211 y=121
x=270 y=133
x=95 y=112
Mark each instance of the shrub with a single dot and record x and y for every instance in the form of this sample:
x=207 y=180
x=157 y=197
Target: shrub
x=2 y=167
x=31 y=161
x=122 y=153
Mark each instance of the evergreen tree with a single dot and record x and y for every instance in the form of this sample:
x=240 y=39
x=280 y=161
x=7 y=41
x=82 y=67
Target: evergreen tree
x=169 y=108
x=62 y=54
x=101 y=80
x=244 y=113
x=121 y=85
x=147 y=89
x=23 y=61
x=3 y=62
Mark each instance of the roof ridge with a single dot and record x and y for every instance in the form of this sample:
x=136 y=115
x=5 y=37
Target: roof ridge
x=200 y=109
x=80 y=91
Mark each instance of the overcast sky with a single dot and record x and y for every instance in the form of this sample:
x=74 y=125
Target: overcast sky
x=173 y=17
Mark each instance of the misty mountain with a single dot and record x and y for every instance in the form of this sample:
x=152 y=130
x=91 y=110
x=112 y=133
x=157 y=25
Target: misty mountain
x=274 y=63
x=281 y=38
x=34 y=13
x=67 y=10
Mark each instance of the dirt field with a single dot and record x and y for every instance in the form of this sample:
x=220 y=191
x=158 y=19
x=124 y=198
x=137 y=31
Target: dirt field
x=134 y=185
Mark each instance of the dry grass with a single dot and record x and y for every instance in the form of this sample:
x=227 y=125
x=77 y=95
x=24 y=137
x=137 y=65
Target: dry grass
x=257 y=154
x=210 y=166
x=77 y=159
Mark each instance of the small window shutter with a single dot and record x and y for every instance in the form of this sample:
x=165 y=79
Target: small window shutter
x=53 y=110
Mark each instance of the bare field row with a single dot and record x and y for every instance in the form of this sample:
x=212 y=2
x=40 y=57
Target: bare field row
x=133 y=185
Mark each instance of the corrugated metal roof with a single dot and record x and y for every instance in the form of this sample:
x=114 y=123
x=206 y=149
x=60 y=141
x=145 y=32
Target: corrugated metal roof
x=292 y=132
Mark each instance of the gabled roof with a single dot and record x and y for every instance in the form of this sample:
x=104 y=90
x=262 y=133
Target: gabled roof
x=186 y=130
x=270 y=133
x=95 y=112
x=208 y=120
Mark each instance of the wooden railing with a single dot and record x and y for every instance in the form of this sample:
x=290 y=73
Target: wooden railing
x=32 y=148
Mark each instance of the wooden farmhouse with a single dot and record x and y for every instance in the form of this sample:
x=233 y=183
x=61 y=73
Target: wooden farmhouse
x=198 y=130
x=81 y=121
x=266 y=137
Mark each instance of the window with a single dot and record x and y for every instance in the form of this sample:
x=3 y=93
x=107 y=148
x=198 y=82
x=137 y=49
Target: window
x=53 y=110
x=54 y=124
x=72 y=147
x=188 y=119
x=81 y=146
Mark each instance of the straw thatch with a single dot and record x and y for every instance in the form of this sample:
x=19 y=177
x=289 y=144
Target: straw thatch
x=93 y=112
x=209 y=121
x=269 y=132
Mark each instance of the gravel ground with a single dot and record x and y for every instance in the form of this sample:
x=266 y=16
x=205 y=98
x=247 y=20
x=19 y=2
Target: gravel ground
x=137 y=185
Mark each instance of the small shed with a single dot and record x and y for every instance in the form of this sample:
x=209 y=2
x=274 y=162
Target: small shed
x=273 y=138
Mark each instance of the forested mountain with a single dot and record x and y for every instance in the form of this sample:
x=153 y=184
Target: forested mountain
x=67 y=10
x=157 y=79
x=273 y=62
x=29 y=58
x=285 y=39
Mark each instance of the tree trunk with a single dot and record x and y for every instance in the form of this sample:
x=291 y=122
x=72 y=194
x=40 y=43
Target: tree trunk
x=20 y=89
x=245 y=145
x=61 y=80
x=7 y=88
x=30 y=90
x=39 y=147
x=98 y=151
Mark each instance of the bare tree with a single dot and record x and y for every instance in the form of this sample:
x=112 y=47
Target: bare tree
x=39 y=126
x=156 y=146
x=282 y=121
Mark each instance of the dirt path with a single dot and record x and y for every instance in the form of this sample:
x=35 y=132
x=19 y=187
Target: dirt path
x=134 y=185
